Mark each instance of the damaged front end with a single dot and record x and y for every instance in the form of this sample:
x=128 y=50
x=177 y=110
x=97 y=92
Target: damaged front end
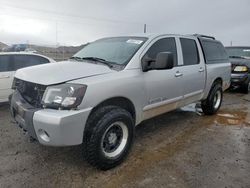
x=24 y=102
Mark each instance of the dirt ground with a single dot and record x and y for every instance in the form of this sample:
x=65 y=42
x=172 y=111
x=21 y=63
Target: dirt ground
x=179 y=149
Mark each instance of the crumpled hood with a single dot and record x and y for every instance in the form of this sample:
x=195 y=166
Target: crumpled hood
x=54 y=73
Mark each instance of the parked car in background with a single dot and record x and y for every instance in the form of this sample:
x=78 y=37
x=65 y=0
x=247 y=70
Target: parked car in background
x=240 y=59
x=98 y=97
x=12 y=61
x=30 y=50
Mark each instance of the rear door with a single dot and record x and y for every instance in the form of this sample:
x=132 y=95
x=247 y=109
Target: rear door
x=6 y=77
x=193 y=70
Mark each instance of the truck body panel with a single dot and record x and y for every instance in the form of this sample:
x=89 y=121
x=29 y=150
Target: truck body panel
x=151 y=93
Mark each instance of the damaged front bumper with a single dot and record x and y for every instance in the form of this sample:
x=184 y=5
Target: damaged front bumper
x=48 y=126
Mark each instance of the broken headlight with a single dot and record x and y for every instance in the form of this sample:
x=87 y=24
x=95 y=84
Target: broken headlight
x=64 y=96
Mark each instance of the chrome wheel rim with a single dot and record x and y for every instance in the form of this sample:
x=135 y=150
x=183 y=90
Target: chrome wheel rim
x=217 y=99
x=114 y=139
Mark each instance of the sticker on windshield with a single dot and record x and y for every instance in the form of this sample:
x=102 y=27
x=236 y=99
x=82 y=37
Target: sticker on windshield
x=134 y=41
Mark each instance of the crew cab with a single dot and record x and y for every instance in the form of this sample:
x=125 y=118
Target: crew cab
x=12 y=61
x=239 y=56
x=97 y=97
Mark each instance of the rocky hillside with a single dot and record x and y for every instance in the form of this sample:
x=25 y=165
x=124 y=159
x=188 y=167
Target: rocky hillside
x=60 y=53
x=57 y=53
x=2 y=45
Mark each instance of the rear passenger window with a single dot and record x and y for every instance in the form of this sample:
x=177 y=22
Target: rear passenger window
x=189 y=51
x=37 y=60
x=4 y=63
x=162 y=45
x=22 y=61
x=19 y=61
x=214 y=51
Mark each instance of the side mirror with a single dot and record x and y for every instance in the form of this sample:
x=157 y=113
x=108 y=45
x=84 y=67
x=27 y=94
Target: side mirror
x=164 y=60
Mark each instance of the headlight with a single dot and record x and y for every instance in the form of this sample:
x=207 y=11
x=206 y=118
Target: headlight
x=65 y=96
x=240 y=69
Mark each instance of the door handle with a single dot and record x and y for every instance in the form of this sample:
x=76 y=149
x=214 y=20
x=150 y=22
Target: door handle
x=178 y=74
x=201 y=69
x=2 y=77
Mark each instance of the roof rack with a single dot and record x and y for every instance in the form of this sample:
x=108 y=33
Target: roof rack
x=204 y=36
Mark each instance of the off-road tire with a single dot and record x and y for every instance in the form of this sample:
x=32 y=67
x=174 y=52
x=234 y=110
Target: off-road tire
x=97 y=126
x=208 y=105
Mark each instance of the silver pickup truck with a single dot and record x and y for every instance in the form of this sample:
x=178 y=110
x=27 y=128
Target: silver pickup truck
x=98 y=96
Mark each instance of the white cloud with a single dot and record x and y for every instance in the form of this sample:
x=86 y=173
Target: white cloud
x=80 y=21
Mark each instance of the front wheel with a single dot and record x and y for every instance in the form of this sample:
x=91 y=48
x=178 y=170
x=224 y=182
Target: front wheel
x=110 y=139
x=213 y=102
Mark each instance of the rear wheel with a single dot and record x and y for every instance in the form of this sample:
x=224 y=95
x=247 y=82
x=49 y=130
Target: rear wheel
x=213 y=102
x=110 y=138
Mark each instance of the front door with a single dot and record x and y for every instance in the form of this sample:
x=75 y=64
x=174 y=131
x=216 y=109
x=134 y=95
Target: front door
x=162 y=86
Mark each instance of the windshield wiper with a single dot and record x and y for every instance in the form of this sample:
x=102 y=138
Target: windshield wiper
x=76 y=58
x=240 y=57
x=99 y=60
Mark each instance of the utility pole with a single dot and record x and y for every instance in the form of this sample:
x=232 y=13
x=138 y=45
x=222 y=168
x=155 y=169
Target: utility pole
x=56 y=39
x=231 y=43
x=145 y=28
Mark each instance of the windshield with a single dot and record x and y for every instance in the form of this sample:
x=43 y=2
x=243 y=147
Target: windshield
x=118 y=50
x=238 y=52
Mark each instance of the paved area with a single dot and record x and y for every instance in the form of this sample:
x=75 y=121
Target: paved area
x=178 y=149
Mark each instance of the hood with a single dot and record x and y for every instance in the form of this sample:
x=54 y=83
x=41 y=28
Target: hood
x=55 y=73
x=239 y=61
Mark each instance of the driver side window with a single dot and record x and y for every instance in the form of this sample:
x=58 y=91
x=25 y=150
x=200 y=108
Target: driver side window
x=162 y=45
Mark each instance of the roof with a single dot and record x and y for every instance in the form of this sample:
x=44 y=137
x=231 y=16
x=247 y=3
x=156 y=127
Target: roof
x=26 y=53
x=153 y=35
x=15 y=53
x=237 y=46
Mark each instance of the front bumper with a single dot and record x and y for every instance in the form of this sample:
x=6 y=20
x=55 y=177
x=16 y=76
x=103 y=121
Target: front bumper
x=239 y=79
x=48 y=126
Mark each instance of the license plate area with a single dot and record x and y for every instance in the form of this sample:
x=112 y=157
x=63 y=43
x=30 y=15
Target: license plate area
x=20 y=111
x=19 y=115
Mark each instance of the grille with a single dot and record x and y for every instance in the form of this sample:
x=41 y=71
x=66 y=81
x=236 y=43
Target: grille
x=232 y=67
x=31 y=92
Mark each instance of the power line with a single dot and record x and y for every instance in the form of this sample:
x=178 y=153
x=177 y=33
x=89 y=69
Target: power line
x=69 y=15
x=58 y=20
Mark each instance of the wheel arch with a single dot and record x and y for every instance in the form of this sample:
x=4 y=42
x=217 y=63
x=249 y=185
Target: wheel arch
x=218 y=80
x=210 y=84
x=121 y=102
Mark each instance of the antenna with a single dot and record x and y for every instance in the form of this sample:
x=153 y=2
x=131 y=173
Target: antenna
x=145 y=28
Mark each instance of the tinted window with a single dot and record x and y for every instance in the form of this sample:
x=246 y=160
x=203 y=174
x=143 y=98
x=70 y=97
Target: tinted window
x=214 y=51
x=21 y=61
x=241 y=52
x=4 y=63
x=162 y=45
x=189 y=51
x=37 y=60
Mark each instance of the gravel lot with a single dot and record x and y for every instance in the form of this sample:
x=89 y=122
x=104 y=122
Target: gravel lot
x=178 y=149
